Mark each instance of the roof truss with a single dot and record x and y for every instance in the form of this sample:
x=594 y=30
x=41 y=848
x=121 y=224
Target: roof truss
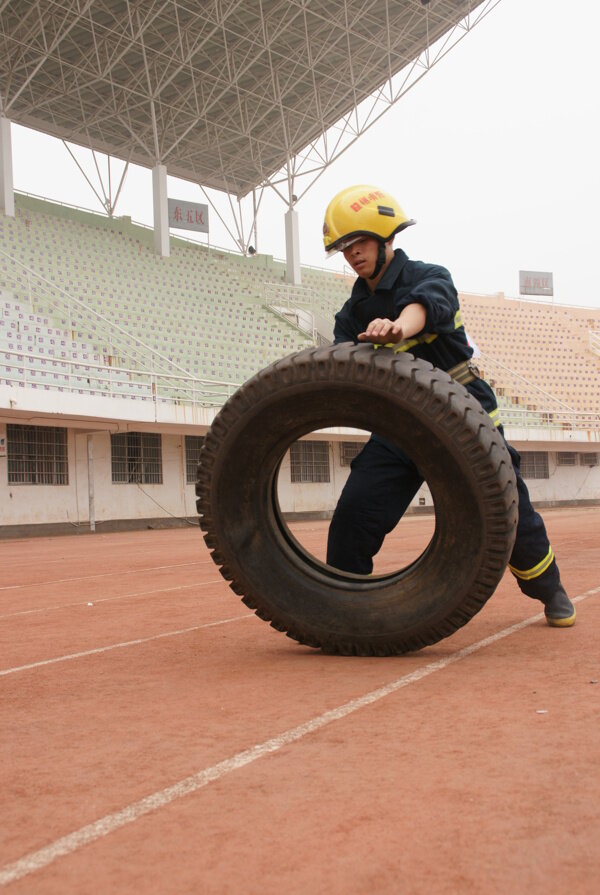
x=231 y=94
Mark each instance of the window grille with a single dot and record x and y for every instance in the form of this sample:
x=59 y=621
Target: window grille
x=136 y=457
x=590 y=459
x=349 y=450
x=37 y=455
x=310 y=461
x=193 y=443
x=534 y=465
x=566 y=458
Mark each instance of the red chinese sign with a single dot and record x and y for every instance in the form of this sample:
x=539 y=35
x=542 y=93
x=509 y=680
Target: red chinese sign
x=188 y=215
x=535 y=282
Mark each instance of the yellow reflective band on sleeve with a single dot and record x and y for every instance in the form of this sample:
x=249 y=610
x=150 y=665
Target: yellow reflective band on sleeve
x=426 y=338
x=494 y=415
x=410 y=343
x=536 y=571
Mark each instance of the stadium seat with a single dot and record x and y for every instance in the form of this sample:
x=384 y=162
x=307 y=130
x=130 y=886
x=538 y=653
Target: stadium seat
x=180 y=305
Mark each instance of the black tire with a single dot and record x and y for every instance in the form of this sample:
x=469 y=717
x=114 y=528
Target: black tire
x=428 y=415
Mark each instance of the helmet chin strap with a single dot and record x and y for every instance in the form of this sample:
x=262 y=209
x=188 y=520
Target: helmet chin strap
x=380 y=261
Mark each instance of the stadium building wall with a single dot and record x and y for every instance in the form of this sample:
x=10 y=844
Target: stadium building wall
x=59 y=508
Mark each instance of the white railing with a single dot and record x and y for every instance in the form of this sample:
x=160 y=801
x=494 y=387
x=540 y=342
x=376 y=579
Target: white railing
x=517 y=386
x=523 y=299
x=547 y=411
x=20 y=368
x=300 y=321
x=564 y=420
x=47 y=299
x=296 y=305
x=289 y=296
x=595 y=341
x=125 y=219
x=136 y=370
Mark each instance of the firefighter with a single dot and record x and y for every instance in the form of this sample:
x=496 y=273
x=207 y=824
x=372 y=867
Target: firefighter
x=413 y=306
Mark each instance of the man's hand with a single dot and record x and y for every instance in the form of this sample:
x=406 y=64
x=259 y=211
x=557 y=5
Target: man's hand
x=381 y=331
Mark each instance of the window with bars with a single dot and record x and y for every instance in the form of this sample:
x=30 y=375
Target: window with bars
x=349 y=450
x=566 y=458
x=136 y=457
x=193 y=443
x=590 y=459
x=36 y=455
x=534 y=465
x=309 y=461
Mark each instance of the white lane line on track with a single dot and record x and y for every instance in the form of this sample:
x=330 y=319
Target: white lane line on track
x=95 y=600
x=106 y=649
x=66 y=845
x=117 y=574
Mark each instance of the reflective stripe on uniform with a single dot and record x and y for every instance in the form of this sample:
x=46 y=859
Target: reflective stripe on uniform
x=494 y=415
x=404 y=346
x=426 y=338
x=536 y=571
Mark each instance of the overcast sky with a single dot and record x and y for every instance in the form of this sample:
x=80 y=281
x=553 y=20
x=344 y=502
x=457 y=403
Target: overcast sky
x=495 y=152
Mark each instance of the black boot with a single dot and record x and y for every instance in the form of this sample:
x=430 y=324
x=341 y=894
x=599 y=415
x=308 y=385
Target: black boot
x=559 y=611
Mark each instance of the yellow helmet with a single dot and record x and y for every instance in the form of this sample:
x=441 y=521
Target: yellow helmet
x=361 y=211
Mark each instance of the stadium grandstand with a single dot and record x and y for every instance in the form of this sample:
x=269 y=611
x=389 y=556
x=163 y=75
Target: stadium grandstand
x=119 y=342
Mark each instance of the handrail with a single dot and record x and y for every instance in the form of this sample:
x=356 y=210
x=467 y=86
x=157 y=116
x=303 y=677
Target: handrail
x=289 y=295
x=121 y=217
x=566 y=421
x=51 y=358
x=207 y=392
x=297 y=299
x=104 y=378
x=484 y=360
x=310 y=332
x=531 y=301
x=89 y=312
x=63 y=204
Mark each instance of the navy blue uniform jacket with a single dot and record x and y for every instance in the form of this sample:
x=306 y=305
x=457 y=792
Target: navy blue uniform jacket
x=443 y=341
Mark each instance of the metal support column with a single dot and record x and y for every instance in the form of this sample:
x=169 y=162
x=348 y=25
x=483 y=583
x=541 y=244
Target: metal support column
x=90 y=456
x=292 y=248
x=7 y=195
x=161 y=211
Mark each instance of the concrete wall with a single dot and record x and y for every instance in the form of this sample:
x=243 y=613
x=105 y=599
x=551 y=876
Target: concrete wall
x=38 y=504
x=143 y=501
x=44 y=504
x=310 y=497
x=307 y=497
x=68 y=505
x=565 y=483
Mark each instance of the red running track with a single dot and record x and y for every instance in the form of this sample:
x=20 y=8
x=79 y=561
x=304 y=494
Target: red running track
x=158 y=738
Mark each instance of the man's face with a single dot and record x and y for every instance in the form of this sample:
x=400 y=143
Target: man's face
x=362 y=256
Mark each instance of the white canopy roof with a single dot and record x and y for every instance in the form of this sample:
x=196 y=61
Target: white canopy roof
x=224 y=93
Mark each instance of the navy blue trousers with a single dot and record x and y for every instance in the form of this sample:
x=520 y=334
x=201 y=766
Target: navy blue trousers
x=381 y=485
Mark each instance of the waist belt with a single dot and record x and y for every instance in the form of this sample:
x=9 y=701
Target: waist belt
x=464 y=372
